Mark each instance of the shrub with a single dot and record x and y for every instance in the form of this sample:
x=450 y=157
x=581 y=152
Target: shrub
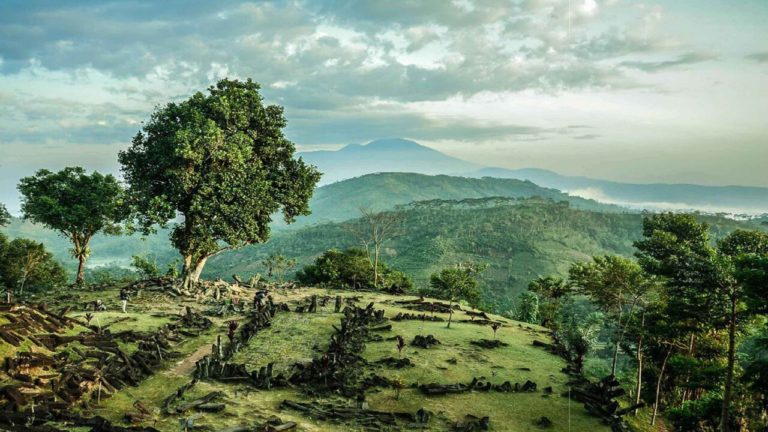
x=350 y=269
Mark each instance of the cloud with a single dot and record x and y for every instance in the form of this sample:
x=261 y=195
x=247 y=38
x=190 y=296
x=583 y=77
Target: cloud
x=682 y=60
x=760 y=57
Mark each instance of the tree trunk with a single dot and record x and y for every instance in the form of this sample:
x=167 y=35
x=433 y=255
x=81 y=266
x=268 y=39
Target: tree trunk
x=724 y=417
x=198 y=270
x=376 y=267
x=639 y=387
x=21 y=285
x=615 y=358
x=193 y=267
x=80 y=271
x=658 y=386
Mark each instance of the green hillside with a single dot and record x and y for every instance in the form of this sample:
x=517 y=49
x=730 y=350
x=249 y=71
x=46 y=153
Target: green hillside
x=520 y=239
x=332 y=203
x=342 y=201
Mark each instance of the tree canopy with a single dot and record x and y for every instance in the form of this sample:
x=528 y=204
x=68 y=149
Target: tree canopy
x=457 y=283
x=221 y=161
x=26 y=264
x=75 y=204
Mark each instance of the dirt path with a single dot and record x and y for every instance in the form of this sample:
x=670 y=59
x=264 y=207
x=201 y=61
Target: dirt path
x=183 y=367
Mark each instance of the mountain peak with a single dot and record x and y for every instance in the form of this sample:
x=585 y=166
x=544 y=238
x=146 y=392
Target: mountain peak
x=393 y=144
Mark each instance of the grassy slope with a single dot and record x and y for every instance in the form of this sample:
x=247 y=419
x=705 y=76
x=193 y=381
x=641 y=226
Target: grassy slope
x=295 y=337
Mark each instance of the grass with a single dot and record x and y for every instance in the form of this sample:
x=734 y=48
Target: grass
x=299 y=337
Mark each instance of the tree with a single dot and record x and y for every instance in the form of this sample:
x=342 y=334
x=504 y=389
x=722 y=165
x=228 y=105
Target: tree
x=376 y=229
x=76 y=205
x=278 y=265
x=350 y=269
x=618 y=286
x=552 y=290
x=579 y=329
x=738 y=248
x=220 y=161
x=26 y=263
x=528 y=309
x=456 y=283
x=144 y=267
x=5 y=217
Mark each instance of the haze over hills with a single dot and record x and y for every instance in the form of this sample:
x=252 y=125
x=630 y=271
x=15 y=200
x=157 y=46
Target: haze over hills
x=401 y=155
x=342 y=200
x=384 y=155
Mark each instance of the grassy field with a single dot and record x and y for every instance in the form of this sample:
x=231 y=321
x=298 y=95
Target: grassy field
x=298 y=337
x=295 y=337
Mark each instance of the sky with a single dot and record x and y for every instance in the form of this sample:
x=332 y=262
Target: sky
x=636 y=91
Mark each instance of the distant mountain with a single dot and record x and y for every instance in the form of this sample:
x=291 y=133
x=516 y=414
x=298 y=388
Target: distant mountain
x=342 y=200
x=384 y=155
x=401 y=155
x=658 y=196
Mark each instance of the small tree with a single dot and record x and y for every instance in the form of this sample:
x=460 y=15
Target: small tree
x=278 y=265
x=144 y=267
x=456 y=283
x=375 y=229
x=579 y=331
x=400 y=345
x=528 y=308
x=220 y=161
x=26 y=263
x=552 y=291
x=76 y=205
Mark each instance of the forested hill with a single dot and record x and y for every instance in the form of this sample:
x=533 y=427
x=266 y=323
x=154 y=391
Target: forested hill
x=520 y=239
x=342 y=201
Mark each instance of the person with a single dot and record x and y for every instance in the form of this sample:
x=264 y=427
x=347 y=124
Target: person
x=124 y=298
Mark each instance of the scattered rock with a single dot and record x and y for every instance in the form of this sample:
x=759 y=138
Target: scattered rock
x=424 y=341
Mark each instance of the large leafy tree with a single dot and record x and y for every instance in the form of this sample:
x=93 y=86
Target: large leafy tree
x=75 y=204
x=221 y=162
x=457 y=283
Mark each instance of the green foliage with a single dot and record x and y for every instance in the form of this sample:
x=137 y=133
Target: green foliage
x=697 y=415
x=342 y=200
x=26 y=265
x=144 y=267
x=528 y=308
x=5 y=217
x=350 y=269
x=75 y=204
x=278 y=265
x=578 y=330
x=552 y=291
x=110 y=274
x=457 y=283
x=222 y=162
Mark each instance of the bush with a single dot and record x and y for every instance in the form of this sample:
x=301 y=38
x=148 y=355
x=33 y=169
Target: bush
x=699 y=415
x=350 y=269
x=144 y=267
